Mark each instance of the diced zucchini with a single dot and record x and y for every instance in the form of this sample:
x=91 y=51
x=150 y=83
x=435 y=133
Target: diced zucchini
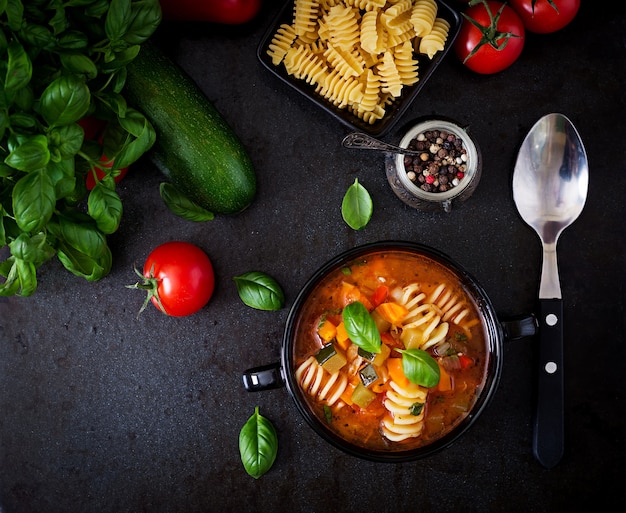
x=366 y=355
x=368 y=375
x=330 y=358
x=362 y=396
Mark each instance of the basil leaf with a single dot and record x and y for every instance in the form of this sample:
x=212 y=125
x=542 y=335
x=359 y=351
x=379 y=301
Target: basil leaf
x=118 y=19
x=79 y=64
x=30 y=154
x=146 y=17
x=32 y=249
x=361 y=328
x=260 y=291
x=33 y=201
x=65 y=100
x=19 y=68
x=67 y=139
x=62 y=175
x=357 y=206
x=82 y=265
x=105 y=207
x=80 y=232
x=181 y=205
x=258 y=444
x=420 y=367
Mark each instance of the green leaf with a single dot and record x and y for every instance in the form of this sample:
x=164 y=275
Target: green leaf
x=79 y=64
x=258 y=444
x=62 y=175
x=33 y=201
x=105 y=207
x=67 y=139
x=182 y=206
x=81 y=233
x=420 y=367
x=19 y=68
x=357 y=206
x=146 y=17
x=65 y=101
x=260 y=291
x=30 y=154
x=361 y=328
x=118 y=19
x=34 y=249
x=15 y=14
x=85 y=266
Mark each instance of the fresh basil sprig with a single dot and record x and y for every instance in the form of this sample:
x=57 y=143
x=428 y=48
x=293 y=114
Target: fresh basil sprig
x=62 y=62
x=357 y=206
x=182 y=206
x=260 y=291
x=420 y=367
x=361 y=328
x=258 y=444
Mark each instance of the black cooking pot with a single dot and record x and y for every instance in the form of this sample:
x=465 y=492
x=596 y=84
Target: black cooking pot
x=282 y=373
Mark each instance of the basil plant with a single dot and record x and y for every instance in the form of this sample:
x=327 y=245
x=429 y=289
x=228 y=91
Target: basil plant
x=62 y=62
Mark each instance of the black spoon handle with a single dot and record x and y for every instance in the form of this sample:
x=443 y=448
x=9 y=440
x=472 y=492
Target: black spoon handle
x=548 y=436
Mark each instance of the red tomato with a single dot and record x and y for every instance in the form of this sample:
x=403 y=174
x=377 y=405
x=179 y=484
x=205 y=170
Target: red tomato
x=92 y=126
x=491 y=38
x=179 y=278
x=545 y=16
x=100 y=173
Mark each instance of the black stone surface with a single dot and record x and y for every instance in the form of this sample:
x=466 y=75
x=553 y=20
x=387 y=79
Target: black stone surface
x=105 y=412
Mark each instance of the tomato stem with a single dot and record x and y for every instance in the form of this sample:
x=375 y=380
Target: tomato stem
x=151 y=285
x=490 y=34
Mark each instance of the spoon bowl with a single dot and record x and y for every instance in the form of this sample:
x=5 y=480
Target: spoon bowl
x=550 y=184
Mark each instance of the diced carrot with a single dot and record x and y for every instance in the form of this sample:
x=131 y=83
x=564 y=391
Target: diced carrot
x=392 y=312
x=351 y=293
x=394 y=366
x=445 y=380
x=346 y=396
x=379 y=295
x=342 y=337
x=327 y=330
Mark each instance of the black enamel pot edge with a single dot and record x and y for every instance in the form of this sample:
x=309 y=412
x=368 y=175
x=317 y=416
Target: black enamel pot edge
x=282 y=373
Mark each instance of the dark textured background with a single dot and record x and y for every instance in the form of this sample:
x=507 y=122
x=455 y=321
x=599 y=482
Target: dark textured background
x=104 y=412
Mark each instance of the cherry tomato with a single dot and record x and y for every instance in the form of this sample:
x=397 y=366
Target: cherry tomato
x=491 y=38
x=92 y=126
x=545 y=16
x=178 y=277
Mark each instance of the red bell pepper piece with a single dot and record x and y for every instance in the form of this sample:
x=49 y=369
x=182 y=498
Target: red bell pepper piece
x=229 y=12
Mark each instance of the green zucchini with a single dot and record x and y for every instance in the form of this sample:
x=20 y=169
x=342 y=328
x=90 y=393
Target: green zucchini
x=195 y=147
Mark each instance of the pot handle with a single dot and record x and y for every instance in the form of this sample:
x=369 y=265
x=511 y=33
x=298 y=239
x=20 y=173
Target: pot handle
x=265 y=377
x=519 y=326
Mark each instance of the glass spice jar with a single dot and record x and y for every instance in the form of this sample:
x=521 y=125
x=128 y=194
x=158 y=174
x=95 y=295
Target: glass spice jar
x=447 y=170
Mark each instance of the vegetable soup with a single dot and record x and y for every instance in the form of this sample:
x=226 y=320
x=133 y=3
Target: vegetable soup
x=390 y=351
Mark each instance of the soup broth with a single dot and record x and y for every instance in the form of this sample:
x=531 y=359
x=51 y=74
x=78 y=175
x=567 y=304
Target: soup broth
x=366 y=397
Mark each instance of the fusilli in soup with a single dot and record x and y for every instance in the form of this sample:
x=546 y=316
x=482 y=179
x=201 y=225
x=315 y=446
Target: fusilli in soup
x=369 y=398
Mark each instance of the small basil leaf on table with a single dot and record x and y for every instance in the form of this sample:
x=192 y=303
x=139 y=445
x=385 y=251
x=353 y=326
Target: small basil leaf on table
x=258 y=444
x=420 y=367
x=260 y=291
x=181 y=205
x=357 y=206
x=361 y=328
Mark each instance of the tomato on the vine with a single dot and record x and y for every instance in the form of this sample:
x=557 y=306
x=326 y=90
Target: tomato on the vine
x=178 y=277
x=491 y=38
x=545 y=16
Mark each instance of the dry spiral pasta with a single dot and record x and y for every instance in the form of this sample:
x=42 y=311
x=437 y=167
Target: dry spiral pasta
x=435 y=40
x=364 y=40
x=423 y=16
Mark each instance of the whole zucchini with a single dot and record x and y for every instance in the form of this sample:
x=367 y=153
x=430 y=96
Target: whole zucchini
x=195 y=147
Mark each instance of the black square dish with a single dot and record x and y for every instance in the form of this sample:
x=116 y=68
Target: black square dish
x=394 y=109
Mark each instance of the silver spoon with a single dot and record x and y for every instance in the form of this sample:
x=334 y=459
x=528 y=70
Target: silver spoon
x=549 y=189
x=360 y=141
